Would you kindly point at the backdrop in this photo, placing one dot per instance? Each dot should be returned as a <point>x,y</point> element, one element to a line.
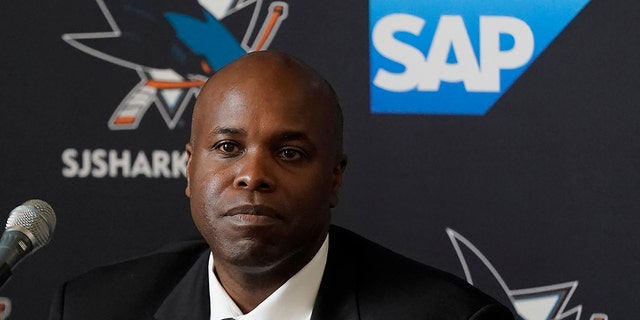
<point>497,141</point>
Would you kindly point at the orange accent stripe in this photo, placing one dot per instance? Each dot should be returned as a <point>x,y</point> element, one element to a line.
<point>206,67</point>
<point>174,85</point>
<point>275,15</point>
<point>124,120</point>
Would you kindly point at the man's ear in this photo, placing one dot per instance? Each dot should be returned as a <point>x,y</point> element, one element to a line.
<point>189,150</point>
<point>338,172</point>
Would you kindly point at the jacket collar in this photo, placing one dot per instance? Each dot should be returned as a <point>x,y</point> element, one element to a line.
<point>337,298</point>
<point>189,300</point>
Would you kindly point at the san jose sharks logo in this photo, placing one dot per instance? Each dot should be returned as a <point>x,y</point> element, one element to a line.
<point>537,303</point>
<point>174,46</point>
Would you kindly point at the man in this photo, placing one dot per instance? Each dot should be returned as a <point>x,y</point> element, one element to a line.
<point>265,166</point>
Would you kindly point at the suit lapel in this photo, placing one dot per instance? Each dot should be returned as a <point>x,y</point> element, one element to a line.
<point>336,298</point>
<point>189,300</point>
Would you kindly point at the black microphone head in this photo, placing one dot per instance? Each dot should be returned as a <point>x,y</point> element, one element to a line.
<point>36,219</point>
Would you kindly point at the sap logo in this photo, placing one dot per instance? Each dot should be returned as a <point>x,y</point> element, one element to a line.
<point>479,74</point>
<point>456,57</point>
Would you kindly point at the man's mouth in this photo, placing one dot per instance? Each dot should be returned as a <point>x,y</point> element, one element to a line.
<point>251,215</point>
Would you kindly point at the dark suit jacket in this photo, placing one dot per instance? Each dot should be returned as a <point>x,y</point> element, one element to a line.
<point>361,281</point>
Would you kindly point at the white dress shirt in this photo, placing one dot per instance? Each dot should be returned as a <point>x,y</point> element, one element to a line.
<point>292,301</point>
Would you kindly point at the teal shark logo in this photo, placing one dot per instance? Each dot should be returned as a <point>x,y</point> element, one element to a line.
<point>548,302</point>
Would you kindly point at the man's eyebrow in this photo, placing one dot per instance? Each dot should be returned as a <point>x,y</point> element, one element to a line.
<point>289,135</point>
<point>228,130</point>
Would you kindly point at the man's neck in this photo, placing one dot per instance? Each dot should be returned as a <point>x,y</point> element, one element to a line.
<point>249,287</point>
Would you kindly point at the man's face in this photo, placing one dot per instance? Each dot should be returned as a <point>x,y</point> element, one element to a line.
<point>263,169</point>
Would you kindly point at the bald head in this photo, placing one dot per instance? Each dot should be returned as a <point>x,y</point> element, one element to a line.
<point>264,74</point>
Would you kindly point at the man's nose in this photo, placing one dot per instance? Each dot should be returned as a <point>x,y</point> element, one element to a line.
<point>255,172</point>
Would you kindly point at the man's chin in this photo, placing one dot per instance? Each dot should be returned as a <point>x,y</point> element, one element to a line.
<point>252,256</point>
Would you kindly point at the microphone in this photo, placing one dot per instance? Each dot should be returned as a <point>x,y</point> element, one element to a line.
<point>28,229</point>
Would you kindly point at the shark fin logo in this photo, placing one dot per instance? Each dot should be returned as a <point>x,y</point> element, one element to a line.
<point>174,46</point>
<point>536,303</point>
<point>456,57</point>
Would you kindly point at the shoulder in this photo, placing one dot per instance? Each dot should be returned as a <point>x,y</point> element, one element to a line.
<point>388,282</point>
<point>138,284</point>
<point>166,260</point>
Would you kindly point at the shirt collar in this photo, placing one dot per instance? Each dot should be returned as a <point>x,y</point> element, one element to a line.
<point>294,300</point>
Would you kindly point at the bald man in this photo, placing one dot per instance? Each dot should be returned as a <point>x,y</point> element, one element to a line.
<point>264,170</point>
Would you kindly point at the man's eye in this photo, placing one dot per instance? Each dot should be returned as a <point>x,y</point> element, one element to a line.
<point>227,147</point>
<point>291,154</point>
